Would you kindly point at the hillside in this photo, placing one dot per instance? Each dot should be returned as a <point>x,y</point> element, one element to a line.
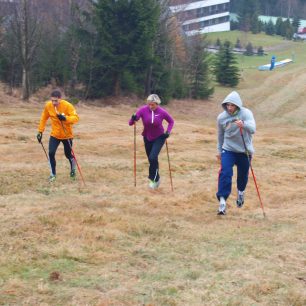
<point>109,243</point>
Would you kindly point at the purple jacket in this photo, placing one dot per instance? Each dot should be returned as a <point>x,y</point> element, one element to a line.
<point>153,121</point>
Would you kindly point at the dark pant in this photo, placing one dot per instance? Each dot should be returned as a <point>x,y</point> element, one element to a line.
<point>152,149</point>
<point>53,145</point>
<point>228,160</point>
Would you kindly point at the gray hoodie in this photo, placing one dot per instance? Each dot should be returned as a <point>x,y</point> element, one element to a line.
<point>229,137</point>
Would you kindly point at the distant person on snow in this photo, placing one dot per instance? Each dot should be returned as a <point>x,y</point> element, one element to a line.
<point>63,115</point>
<point>154,136</point>
<point>234,120</point>
<point>272,62</point>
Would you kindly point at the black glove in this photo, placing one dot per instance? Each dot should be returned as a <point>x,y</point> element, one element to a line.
<point>166,135</point>
<point>39,136</point>
<point>134,117</point>
<point>61,117</point>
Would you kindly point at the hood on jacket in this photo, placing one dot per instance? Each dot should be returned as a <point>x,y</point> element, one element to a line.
<point>233,98</point>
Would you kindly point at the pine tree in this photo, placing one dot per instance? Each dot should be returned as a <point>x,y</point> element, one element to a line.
<point>125,31</point>
<point>296,22</point>
<point>270,28</point>
<point>289,29</point>
<point>199,74</point>
<point>260,51</point>
<point>255,25</point>
<point>218,43</point>
<point>249,49</point>
<point>278,26</point>
<point>248,15</point>
<point>226,69</point>
<point>238,44</point>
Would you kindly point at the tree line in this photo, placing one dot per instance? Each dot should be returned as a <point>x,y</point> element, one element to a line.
<point>248,20</point>
<point>277,8</point>
<point>102,48</point>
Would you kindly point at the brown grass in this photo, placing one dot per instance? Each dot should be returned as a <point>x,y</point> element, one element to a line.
<point>110,243</point>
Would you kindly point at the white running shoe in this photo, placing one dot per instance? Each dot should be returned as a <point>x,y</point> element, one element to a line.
<point>52,178</point>
<point>222,207</point>
<point>154,185</point>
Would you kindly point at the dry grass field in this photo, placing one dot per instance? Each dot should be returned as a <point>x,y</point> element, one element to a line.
<point>109,243</point>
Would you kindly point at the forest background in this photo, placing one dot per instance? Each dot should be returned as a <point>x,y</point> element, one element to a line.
<point>94,49</point>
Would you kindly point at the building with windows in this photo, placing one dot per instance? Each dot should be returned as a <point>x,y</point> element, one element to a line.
<point>203,16</point>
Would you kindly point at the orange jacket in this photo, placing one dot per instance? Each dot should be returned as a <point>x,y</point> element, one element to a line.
<point>57,130</point>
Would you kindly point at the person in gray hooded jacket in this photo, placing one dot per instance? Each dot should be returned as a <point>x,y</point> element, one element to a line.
<point>233,123</point>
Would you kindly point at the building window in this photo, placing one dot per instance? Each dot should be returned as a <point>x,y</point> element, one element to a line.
<point>209,10</point>
<point>213,21</point>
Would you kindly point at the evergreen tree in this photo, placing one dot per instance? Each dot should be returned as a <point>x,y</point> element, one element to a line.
<point>226,69</point>
<point>249,49</point>
<point>296,22</point>
<point>260,51</point>
<point>283,28</point>
<point>261,26</point>
<point>289,29</point>
<point>199,74</point>
<point>248,15</point>
<point>238,44</point>
<point>178,84</point>
<point>125,31</point>
<point>255,26</point>
<point>270,28</point>
<point>53,59</point>
<point>278,26</point>
<point>218,43</point>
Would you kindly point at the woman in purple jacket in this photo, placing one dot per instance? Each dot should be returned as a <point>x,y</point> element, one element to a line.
<point>154,136</point>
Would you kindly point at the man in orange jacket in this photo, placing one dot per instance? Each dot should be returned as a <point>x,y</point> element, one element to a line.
<point>63,115</point>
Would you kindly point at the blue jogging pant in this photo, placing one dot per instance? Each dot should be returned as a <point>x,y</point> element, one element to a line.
<point>152,149</point>
<point>228,160</point>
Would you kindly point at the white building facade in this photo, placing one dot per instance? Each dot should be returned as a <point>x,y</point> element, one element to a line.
<point>204,16</point>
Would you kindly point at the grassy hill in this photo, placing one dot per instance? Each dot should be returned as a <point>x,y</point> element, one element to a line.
<point>109,243</point>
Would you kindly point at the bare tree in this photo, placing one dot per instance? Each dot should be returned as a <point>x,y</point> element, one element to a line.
<point>169,43</point>
<point>289,7</point>
<point>27,32</point>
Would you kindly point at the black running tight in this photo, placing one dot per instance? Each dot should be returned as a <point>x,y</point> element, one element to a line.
<point>53,145</point>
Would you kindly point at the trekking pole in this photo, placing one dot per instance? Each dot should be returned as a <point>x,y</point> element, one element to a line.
<point>72,152</point>
<point>253,174</point>
<point>170,174</point>
<point>45,151</point>
<point>135,154</point>
<point>46,156</point>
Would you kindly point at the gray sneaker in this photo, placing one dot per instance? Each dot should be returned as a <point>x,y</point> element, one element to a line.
<point>240,199</point>
<point>73,174</point>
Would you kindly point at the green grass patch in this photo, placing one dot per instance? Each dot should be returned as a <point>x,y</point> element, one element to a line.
<point>39,270</point>
<point>245,38</point>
